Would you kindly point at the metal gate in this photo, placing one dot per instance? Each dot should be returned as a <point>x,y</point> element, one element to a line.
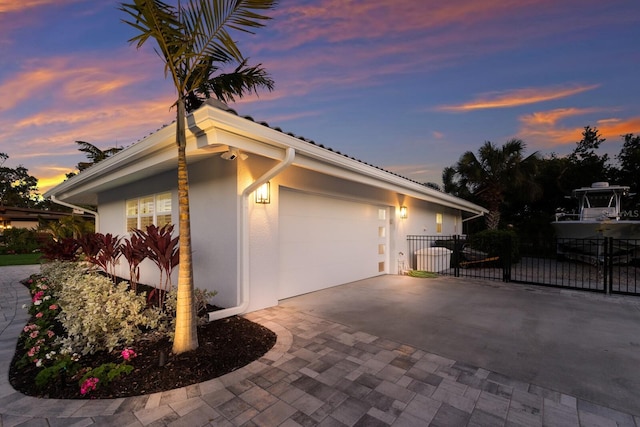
<point>603,265</point>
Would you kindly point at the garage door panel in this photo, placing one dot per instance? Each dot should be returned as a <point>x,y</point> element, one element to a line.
<point>325,242</point>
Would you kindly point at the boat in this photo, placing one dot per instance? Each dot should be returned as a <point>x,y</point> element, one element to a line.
<point>581,235</point>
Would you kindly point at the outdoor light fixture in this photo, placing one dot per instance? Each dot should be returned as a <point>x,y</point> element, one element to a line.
<point>403,212</point>
<point>263,193</point>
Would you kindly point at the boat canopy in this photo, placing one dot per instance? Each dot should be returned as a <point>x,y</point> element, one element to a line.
<point>600,201</point>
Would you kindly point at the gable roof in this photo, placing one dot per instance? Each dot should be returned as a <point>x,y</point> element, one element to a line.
<point>214,129</point>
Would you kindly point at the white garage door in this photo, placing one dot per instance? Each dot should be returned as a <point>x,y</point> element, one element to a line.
<point>326,241</point>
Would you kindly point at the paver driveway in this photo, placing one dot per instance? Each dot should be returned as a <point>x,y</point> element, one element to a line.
<point>582,344</point>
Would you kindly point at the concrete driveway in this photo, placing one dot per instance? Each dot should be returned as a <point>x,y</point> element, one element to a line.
<point>583,344</point>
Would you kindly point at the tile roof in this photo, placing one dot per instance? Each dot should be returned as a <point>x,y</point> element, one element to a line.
<point>223,106</point>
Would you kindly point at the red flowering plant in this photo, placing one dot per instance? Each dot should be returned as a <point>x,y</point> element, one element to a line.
<point>39,335</point>
<point>106,372</point>
<point>56,337</point>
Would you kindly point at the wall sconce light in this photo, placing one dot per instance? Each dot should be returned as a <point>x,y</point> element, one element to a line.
<point>263,193</point>
<point>403,212</point>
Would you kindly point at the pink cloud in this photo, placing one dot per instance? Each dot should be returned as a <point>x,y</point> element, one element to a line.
<point>72,79</point>
<point>426,23</point>
<point>545,130</point>
<point>517,97</point>
<point>7,6</point>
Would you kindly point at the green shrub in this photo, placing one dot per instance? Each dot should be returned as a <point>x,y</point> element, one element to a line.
<point>495,242</point>
<point>202,298</point>
<point>20,240</point>
<point>98,315</point>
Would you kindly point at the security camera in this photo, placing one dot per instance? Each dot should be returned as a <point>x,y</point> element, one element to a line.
<point>232,154</point>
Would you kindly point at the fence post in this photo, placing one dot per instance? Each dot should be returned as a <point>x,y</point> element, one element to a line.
<point>610,269</point>
<point>456,256</point>
<point>605,265</point>
<point>506,259</point>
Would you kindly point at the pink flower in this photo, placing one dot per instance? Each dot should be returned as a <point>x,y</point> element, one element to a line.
<point>38,296</point>
<point>39,314</point>
<point>128,353</point>
<point>50,334</point>
<point>33,350</point>
<point>53,307</point>
<point>88,385</point>
<point>33,334</point>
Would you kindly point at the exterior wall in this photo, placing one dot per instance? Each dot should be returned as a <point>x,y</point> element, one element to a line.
<point>264,221</point>
<point>214,228</point>
<point>213,224</point>
<point>111,208</point>
<point>263,236</point>
<point>421,219</point>
<point>216,186</point>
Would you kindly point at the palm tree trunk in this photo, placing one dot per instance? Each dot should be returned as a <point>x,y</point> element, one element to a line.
<point>492,219</point>
<point>186,337</point>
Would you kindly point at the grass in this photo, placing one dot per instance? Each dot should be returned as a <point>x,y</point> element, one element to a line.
<point>422,274</point>
<point>20,259</point>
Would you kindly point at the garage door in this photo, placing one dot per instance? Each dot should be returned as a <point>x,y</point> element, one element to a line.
<point>326,241</point>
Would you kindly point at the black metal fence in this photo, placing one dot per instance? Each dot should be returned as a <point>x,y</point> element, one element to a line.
<point>604,265</point>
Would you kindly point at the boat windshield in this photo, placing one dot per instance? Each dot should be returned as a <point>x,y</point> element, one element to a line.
<point>599,200</point>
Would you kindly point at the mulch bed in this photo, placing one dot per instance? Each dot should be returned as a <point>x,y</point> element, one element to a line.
<point>224,346</point>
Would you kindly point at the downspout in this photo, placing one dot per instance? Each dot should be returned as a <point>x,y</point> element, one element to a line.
<point>243,253</point>
<point>90,212</point>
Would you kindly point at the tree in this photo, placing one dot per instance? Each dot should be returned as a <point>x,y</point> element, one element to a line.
<point>490,176</point>
<point>17,187</point>
<point>194,43</point>
<point>584,165</point>
<point>628,172</point>
<point>94,154</point>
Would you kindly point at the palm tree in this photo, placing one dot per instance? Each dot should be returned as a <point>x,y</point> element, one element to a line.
<point>492,174</point>
<point>94,154</point>
<point>193,42</point>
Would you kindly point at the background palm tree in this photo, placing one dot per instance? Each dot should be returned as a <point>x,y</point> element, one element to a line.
<point>94,154</point>
<point>491,175</point>
<point>194,42</point>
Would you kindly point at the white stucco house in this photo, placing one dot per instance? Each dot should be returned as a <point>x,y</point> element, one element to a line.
<point>327,219</point>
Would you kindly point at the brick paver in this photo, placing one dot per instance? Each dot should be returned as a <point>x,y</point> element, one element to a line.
<point>318,374</point>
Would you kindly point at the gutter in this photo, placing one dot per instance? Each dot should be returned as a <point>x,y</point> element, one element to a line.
<point>243,251</point>
<point>78,208</point>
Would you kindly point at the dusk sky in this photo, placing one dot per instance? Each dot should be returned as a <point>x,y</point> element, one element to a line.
<point>407,85</point>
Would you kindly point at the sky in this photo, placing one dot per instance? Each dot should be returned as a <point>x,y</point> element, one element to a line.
<point>406,85</point>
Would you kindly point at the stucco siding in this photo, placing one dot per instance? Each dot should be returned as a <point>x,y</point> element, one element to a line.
<point>214,228</point>
<point>112,212</point>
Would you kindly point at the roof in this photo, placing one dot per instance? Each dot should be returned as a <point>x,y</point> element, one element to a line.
<point>9,213</point>
<point>215,128</point>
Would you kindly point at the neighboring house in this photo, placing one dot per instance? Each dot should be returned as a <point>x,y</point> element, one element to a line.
<point>330,219</point>
<point>11,217</point>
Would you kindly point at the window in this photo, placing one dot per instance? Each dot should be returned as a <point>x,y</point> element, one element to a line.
<point>147,210</point>
<point>438,223</point>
